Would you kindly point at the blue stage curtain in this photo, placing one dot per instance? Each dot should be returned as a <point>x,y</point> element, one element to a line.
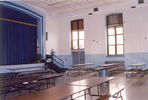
<point>18,42</point>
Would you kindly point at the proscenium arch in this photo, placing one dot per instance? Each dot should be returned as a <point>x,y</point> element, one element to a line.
<point>41,28</point>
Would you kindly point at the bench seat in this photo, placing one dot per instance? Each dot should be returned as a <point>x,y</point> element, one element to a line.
<point>26,73</point>
<point>144,69</point>
<point>10,89</point>
<point>112,93</point>
<point>97,70</point>
<point>120,68</point>
<point>32,85</point>
<point>129,69</point>
<point>111,70</point>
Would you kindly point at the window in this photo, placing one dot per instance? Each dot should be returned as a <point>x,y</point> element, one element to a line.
<point>115,35</point>
<point>140,1</point>
<point>77,35</point>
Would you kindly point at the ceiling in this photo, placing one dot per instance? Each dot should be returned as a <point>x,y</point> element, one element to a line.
<point>64,6</point>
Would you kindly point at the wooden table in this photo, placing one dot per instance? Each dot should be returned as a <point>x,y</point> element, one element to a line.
<point>79,67</point>
<point>104,67</point>
<point>8,75</point>
<point>22,80</point>
<point>22,68</point>
<point>64,91</point>
<point>27,70</point>
<point>56,93</point>
<point>93,81</point>
<point>135,67</point>
<point>108,65</point>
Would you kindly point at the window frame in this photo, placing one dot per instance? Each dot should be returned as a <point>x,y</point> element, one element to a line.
<point>115,26</point>
<point>77,30</point>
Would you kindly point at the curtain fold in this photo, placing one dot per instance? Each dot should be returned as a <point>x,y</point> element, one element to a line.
<point>18,37</point>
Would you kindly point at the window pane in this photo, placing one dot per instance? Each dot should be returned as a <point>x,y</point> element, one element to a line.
<point>119,30</point>
<point>119,39</point>
<point>111,40</point>
<point>81,34</point>
<point>111,31</point>
<point>75,35</point>
<point>75,44</point>
<point>74,25</point>
<point>119,49</point>
<point>81,26</point>
<point>111,50</point>
<point>81,44</point>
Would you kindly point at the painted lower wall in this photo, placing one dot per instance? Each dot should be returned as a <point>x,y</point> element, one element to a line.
<point>98,59</point>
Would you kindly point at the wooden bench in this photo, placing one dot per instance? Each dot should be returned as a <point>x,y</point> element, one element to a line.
<point>112,70</point>
<point>97,70</point>
<point>144,71</point>
<point>32,85</point>
<point>130,71</point>
<point>27,73</point>
<point>8,75</point>
<point>116,93</point>
<point>10,89</point>
<point>120,66</point>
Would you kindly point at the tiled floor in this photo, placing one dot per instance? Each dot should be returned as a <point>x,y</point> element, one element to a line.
<point>136,88</point>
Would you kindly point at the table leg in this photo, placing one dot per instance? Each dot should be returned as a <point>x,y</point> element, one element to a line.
<point>108,85</point>
<point>71,97</point>
<point>54,81</point>
<point>84,95</point>
<point>98,87</point>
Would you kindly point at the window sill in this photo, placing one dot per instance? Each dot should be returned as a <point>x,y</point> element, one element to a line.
<point>115,56</point>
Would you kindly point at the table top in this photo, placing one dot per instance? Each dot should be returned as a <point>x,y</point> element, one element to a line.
<point>26,68</point>
<point>76,65</point>
<point>90,82</point>
<point>9,73</point>
<point>54,93</point>
<point>27,79</point>
<point>106,65</point>
<point>138,64</point>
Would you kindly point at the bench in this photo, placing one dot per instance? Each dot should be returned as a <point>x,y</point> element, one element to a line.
<point>32,85</point>
<point>10,89</point>
<point>97,70</point>
<point>116,93</point>
<point>120,66</point>
<point>27,73</point>
<point>8,75</point>
<point>111,70</point>
<point>144,71</point>
<point>130,71</point>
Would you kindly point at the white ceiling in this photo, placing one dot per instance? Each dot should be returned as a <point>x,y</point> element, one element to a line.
<point>64,6</point>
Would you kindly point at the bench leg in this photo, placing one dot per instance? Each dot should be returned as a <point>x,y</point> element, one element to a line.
<point>118,95</point>
<point>10,92</point>
<point>84,95</point>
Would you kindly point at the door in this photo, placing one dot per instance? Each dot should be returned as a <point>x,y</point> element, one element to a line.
<point>78,57</point>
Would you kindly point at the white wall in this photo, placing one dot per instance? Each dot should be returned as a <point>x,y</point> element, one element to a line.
<point>135,32</point>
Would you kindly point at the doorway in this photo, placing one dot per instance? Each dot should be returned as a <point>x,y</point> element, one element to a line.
<point>78,57</point>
